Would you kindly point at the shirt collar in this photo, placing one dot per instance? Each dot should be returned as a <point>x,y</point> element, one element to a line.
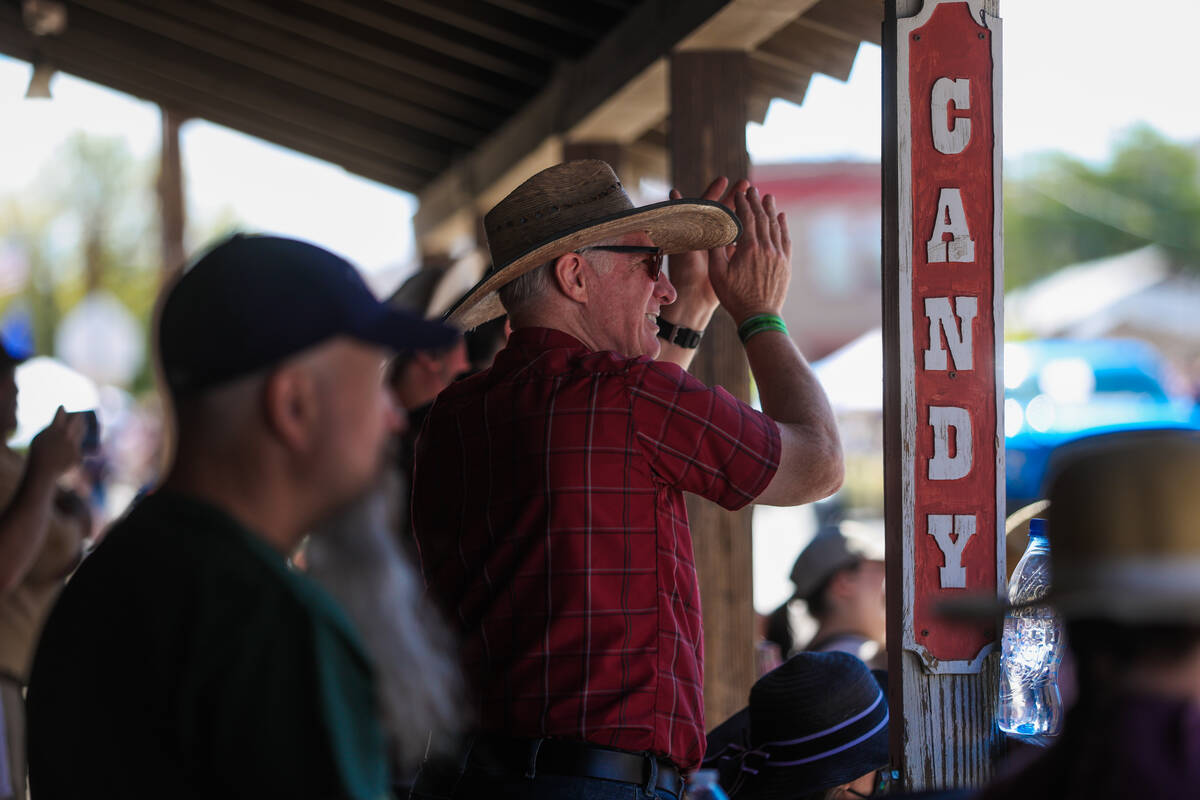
<point>527,344</point>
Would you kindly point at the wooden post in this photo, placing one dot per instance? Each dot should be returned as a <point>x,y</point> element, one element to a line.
<point>172,218</point>
<point>943,395</point>
<point>708,138</point>
<point>170,195</point>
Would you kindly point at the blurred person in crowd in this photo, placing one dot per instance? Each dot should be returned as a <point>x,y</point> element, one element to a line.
<point>1125,560</point>
<point>363,556</point>
<point>418,376</point>
<point>186,658</point>
<point>42,529</point>
<point>415,377</point>
<point>816,728</point>
<point>839,579</point>
<point>485,342</point>
<point>548,490</point>
<point>356,558</point>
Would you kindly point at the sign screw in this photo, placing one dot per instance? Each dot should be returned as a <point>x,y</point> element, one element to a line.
<point>924,633</point>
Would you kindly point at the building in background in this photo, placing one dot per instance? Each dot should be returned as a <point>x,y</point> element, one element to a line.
<point>834,218</point>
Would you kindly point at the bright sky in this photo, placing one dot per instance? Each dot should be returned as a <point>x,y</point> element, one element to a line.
<point>1076,73</point>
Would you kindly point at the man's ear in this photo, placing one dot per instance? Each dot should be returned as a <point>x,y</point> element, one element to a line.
<point>571,276</point>
<point>842,583</point>
<point>427,361</point>
<point>290,407</point>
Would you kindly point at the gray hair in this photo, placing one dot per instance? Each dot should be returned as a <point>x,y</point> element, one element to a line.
<point>516,294</point>
<point>355,557</point>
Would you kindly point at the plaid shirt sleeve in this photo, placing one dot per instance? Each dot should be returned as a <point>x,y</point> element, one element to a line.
<point>701,439</point>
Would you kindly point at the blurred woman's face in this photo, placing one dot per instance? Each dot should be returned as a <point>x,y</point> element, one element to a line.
<point>860,787</point>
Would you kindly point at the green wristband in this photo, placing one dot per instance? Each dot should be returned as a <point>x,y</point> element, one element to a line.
<point>759,323</point>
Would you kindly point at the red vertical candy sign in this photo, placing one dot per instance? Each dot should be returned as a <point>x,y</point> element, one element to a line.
<point>948,60</point>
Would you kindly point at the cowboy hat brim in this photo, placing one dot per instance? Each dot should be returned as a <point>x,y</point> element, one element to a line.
<point>1130,590</point>
<point>675,226</point>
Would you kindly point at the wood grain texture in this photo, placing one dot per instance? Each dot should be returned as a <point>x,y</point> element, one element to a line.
<point>943,732</point>
<point>948,725</point>
<point>708,138</point>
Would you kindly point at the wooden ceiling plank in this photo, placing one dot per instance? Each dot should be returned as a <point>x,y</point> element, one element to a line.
<point>397,60</point>
<point>413,34</point>
<point>497,25</point>
<point>779,78</point>
<point>237,22</point>
<point>118,76</point>
<point>217,77</point>
<point>90,46</point>
<point>550,13</point>
<point>860,20</point>
<point>642,102</point>
<point>814,49</point>
<point>635,46</point>
<point>314,80</point>
<point>745,24</point>
<point>757,105</point>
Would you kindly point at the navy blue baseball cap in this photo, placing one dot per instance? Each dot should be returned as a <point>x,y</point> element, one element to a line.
<point>16,337</point>
<point>252,301</point>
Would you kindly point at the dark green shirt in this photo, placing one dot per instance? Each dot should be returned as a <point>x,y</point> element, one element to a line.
<point>186,659</point>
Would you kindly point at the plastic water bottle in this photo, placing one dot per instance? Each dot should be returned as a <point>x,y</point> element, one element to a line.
<point>702,785</point>
<point>1031,648</point>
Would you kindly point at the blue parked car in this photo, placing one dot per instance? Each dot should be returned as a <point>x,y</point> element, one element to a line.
<point>1057,391</point>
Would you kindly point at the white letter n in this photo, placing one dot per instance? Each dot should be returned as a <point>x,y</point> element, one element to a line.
<point>937,309</point>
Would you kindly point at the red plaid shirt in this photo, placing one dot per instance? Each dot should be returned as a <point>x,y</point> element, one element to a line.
<point>548,509</point>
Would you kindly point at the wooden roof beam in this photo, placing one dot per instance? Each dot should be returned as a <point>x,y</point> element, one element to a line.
<point>366,165</point>
<point>222,46</point>
<point>417,68</point>
<point>856,20</point>
<point>499,25</point>
<point>812,49</point>
<point>92,57</point>
<point>771,77</point>
<point>291,37</point>
<point>500,64</point>
<point>548,12</point>
<point>616,93</point>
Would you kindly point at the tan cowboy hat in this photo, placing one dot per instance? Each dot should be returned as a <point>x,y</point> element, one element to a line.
<point>1124,528</point>
<point>430,291</point>
<point>572,205</point>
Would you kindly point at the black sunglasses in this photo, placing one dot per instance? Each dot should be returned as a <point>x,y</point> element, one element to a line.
<point>654,264</point>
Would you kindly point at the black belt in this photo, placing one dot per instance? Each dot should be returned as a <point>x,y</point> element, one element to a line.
<point>502,756</point>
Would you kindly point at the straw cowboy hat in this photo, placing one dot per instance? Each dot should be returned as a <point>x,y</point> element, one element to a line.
<point>816,721</point>
<point>572,205</point>
<point>1124,528</point>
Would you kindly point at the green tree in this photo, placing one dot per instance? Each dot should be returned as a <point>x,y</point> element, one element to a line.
<point>88,221</point>
<point>1065,210</point>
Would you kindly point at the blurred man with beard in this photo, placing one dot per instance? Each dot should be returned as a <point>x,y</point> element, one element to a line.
<point>186,658</point>
<point>356,557</point>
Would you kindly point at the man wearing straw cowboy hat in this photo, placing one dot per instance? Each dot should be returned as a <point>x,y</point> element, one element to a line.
<point>1124,526</point>
<point>548,496</point>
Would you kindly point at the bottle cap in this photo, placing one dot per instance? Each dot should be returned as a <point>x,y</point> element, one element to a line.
<point>1037,527</point>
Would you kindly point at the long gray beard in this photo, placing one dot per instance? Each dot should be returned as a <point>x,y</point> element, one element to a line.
<point>355,557</point>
